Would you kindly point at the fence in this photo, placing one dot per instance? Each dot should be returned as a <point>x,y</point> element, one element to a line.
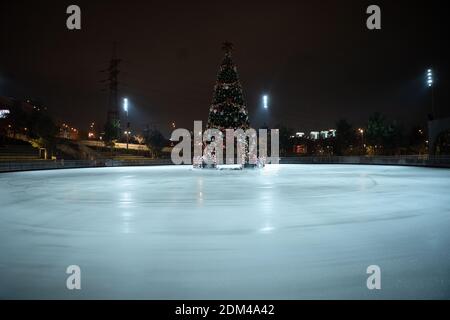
<point>420,160</point>
<point>413,160</point>
<point>69,164</point>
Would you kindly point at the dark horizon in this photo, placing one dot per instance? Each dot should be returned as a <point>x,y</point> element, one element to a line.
<point>317,61</point>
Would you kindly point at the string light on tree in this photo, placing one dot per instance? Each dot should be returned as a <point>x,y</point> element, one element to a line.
<point>228,109</point>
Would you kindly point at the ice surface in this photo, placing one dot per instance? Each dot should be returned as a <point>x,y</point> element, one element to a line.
<point>171,232</point>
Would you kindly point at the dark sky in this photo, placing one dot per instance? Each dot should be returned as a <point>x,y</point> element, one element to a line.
<point>316,59</point>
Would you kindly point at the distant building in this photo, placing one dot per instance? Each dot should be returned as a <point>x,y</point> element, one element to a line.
<point>4,113</point>
<point>7,105</point>
<point>314,135</point>
<point>300,149</point>
<point>331,133</point>
<point>324,134</point>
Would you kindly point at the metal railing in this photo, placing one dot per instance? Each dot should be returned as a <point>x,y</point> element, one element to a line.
<point>409,160</point>
<point>8,166</point>
<point>413,160</point>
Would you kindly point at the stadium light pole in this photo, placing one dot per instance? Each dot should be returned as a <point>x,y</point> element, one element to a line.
<point>265,106</point>
<point>430,85</point>
<point>125,105</point>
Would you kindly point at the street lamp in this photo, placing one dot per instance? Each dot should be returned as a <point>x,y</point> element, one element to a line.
<point>361,132</point>
<point>125,108</point>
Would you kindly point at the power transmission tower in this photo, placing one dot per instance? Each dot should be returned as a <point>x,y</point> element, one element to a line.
<point>113,118</point>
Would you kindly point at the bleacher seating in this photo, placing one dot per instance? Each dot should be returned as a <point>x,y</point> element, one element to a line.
<point>19,153</point>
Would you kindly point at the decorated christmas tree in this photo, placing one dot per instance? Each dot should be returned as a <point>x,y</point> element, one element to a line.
<point>228,109</point>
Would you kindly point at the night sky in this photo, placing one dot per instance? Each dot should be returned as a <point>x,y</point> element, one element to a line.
<point>316,59</point>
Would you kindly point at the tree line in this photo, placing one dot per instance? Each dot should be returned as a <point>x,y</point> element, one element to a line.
<point>380,136</point>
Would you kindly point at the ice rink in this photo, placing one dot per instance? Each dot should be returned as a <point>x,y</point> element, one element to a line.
<point>171,232</point>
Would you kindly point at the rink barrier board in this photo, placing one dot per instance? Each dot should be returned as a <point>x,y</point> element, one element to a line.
<point>419,160</point>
